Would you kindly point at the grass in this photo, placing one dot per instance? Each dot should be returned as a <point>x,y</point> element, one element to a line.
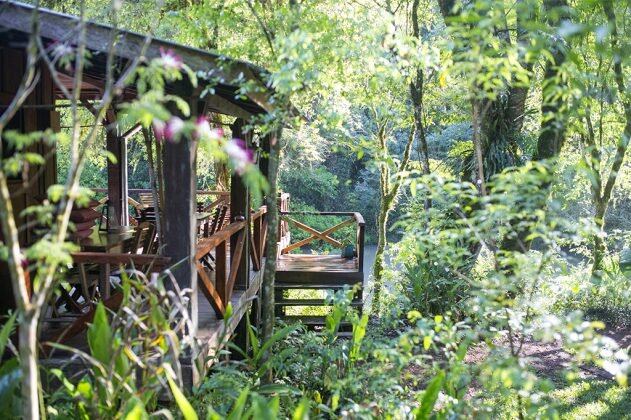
<point>593,399</point>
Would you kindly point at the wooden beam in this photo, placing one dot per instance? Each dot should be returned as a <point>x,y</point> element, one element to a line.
<point>264,156</point>
<point>216,103</point>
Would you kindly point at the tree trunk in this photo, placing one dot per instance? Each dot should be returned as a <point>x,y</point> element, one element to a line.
<point>30,367</point>
<point>597,240</point>
<point>269,273</point>
<point>382,241</point>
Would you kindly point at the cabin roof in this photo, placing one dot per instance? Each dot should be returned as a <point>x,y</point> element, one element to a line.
<point>227,73</point>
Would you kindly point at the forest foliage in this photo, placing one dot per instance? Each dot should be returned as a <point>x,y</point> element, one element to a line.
<point>486,144</point>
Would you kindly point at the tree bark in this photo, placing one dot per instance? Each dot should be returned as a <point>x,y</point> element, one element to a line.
<point>603,200</point>
<point>382,240</point>
<point>28,361</point>
<point>553,126</point>
<point>389,190</point>
<point>269,273</point>
<point>417,91</point>
<point>499,120</point>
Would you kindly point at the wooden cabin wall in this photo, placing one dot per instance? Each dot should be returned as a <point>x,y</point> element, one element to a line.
<point>36,115</point>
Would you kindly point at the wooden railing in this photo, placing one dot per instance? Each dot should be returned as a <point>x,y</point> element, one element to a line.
<point>148,190</point>
<point>258,237</point>
<point>325,235</point>
<point>284,236</point>
<point>213,255</point>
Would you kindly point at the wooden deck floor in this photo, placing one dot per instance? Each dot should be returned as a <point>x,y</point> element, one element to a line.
<point>316,263</point>
<point>311,269</point>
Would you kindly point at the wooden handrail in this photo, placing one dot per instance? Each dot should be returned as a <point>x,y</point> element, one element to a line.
<point>258,237</point>
<point>205,245</point>
<point>211,255</point>
<point>148,190</point>
<point>357,216</point>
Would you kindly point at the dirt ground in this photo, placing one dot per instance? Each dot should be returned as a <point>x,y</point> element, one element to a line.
<point>549,359</point>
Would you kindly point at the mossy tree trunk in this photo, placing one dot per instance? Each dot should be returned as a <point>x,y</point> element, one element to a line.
<point>389,189</point>
<point>602,191</point>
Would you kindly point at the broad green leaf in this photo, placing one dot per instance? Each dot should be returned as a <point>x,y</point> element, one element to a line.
<point>135,410</point>
<point>185,407</point>
<point>430,396</point>
<point>239,405</point>
<point>302,411</point>
<point>6,331</point>
<point>100,337</point>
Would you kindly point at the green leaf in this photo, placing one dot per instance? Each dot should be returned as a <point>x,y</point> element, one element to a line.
<point>239,405</point>
<point>6,331</point>
<point>302,411</point>
<point>185,407</point>
<point>253,338</point>
<point>100,336</point>
<point>430,396</point>
<point>359,331</point>
<point>10,375</point>
<point>135,410</point>
<point>279,335</point>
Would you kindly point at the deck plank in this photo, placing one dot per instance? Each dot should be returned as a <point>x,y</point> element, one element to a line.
<point>317,263</point>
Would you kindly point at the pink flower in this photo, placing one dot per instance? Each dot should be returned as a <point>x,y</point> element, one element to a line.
<point>170,60</point>
<point>240,156</point>
<point>159,128</point>
<point>203,131</point>
<point>60,50</point>
<point>173,129</point>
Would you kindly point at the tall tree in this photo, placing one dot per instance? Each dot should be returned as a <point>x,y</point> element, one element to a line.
<point>602,190</point>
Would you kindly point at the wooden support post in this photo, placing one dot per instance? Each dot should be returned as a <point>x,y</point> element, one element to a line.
<point>264,156</point>
<point>240,208</point>
<point>116,144</point>
<point>179,160</point>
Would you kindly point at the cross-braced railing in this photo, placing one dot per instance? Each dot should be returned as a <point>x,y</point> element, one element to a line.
<point>325,235</point>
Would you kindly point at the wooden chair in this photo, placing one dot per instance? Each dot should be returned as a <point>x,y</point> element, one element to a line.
<point>76,295</point>
<point>143,240</point>
<point>213,225</point>
<point>217,221</point>
<point>145,208</point>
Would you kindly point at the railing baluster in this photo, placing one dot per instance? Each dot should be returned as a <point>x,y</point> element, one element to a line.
<point>220,272</point>
<point>234,264</point>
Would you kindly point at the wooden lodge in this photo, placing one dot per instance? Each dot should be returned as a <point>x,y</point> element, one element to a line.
<point>216,249</point>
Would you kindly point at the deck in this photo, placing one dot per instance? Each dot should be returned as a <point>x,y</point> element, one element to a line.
<point>317,269</point>
<point>220,258</point>
<point>317,272</point>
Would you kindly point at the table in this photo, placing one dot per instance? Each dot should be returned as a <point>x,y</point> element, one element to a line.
<point>106,242</point>
<point>99,241</point>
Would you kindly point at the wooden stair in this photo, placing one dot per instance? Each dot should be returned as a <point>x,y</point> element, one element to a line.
<point>307,271</point>
<point>282,302</point>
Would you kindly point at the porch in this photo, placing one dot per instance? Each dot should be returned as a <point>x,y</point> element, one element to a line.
<point>213,248</point>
